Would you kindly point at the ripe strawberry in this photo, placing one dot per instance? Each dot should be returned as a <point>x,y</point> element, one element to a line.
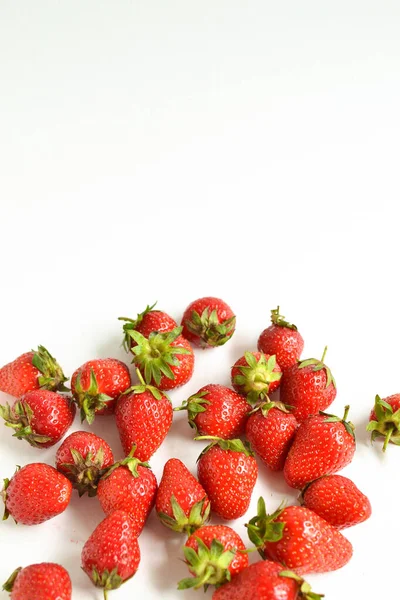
<point>217,410</point>
<point>208,322</point>
<point>384,420</point>
<point>323,445</point>
<point>227,470</point>
<point>31,371</point>
<point>131,486</point>
<point>300,539</point>
<point>43,581</point>
<point>255,375</point>
<point>83,458</point>
<point>111,555</point>
<point>97,384</point>
<point>182,503</point>
<point>308,387</point>
<point>41,417</point>
<point>337,500</point>
<point>270,431</point>
<point>36,493</point>
<point>145,323</point>
<point>282,339</point>
<point>213,554</point>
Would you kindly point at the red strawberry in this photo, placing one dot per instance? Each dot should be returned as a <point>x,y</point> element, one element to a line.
<point>255,375</point>
<point>323,445</point>
<point>83,458</point>
<point>111,555</point>
<point>217,410</point>
<point>182,503</point>
<point>213,554</point>
<point>308,387</point>
<point>300,539</point>
<point>227,470</point>
<point>337,500</point>
<point>145,323</point>
<point>270,431</point>
<point>282,339</point>
<point>208,322</point>
<point>97,384</point>
<point>31,371</point>
<point>41,417</point>
<point>384,420</point>
<point>36,493</point>
<point>131,486</point>
<point>44,581</point>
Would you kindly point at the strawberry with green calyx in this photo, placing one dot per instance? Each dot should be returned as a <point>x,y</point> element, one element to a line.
<point>208,322</point>
<point>145,323</point>
<point>43,581</point>
<point>282,339</point>
<point>384,420</point>
<point>255,375</point>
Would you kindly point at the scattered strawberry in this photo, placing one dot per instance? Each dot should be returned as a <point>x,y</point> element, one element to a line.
<point>255,375</point>
<point>146,323</point>
<point>35,493</point>
<point>384,420</point>
<point>83,458</point>
<point>208,322</point>
<point>282,339</point>
<point>44,581</point>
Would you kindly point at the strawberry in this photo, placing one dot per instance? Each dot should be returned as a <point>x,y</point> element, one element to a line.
<point>208,322</point>
<point>213,554</point>
<point>35,493</point>
<point>182,503</point>
<point>308,387</point>
<point>111,555</point>
<point>131,486</point>
<point>40,417</point>
<point>217,410</point>
<point>323,445</point>
<point>282,339</point>
<point>145,323</point>
<point>227,470</point>
<point>31,371</point>
<point>298,538</point>
<point>83,458</point>
<point>97,384</point>
<point>43,581</point>
<point>255,375</point>
<point>337,500</point>
<point>270,431</point>
<point>384,420</point>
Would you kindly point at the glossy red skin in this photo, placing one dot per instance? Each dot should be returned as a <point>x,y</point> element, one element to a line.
<point>271,436</point>
<point>155,320</point>
<point>241,362</point>
<point>144,421</point>
<point>225,416</point>
<point>178,481</point>
<point>228,538</point>
<point>44,581</point>
<point>36,493</point>
<point>319,448</point>
<point>224,312</point>
<point>337,500</point>
<point>19,376</point>
<point>394,402</point>
<point>182,372</point>
<point>84,442</point>
<point>287,345</point>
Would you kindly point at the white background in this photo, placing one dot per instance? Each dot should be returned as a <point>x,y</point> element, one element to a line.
<point>154,150</point>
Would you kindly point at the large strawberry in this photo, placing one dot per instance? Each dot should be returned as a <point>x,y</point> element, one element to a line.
<point>323,445</point>
<point>111,555</point>
<point>384,420</point>
<point>208,322</point>
<point>31,371</point>
<point>36,493</point>
<point>227,470</point>
<point>145,323</point>
<point>300,539</point>
<point>182,503</point>
<point>97,384</point>
<point>43,581</point>
<point>83,458</point>
<point>282,339</point>
<point>213,553</point>
<point>255,375</point>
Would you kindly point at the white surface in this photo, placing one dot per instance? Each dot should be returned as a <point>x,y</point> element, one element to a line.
<point>170,150</point>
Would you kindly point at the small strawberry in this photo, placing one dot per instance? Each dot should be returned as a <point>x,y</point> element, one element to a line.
<point>182,503</point>
<point>227,470</point>
<point>384,420</point>
<point>35,493</point>
<point>145,323</point>
<point>208,322</point>
<point>213,554</point>
<point>111,555</point>
<point>40,417</point>
<point>43,581</point>
<point>282,339</point>
<point>97,384</point>
<point>270,431</point>
<point>83,458</point>
<point>308,387</point>
<point>255,375</point>
<point>31,371</point>
<point>323,445</point>
<point>337,500</point>
<point>300,539</point>
<point>217,410</point>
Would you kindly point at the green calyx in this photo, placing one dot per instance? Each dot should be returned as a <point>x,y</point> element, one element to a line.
<point>132,324</point>
<point>130,462</point>
<point>143,387</point>
<point>85,473</point>
<point>52,376</point>
<point>210,566</point>
<point>90,400</point>
<point>108,580</point>
<point>180,522</point>
<point>318,366</point>
<point>6,483</point>
<point>194,405</point>
<point>209,329</point>
<point>228,445</point>
<point>19,419</point>
<point>348,425</point>
<point>9,584</point>
<point>263,528</point>
<point>265,407</point>
<point>277,319</point>
<point>305,592</point>
<point>387,423</point>
<point>255,379</point>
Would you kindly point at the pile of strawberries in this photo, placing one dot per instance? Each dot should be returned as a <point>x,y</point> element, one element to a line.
<point>275,409</point>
